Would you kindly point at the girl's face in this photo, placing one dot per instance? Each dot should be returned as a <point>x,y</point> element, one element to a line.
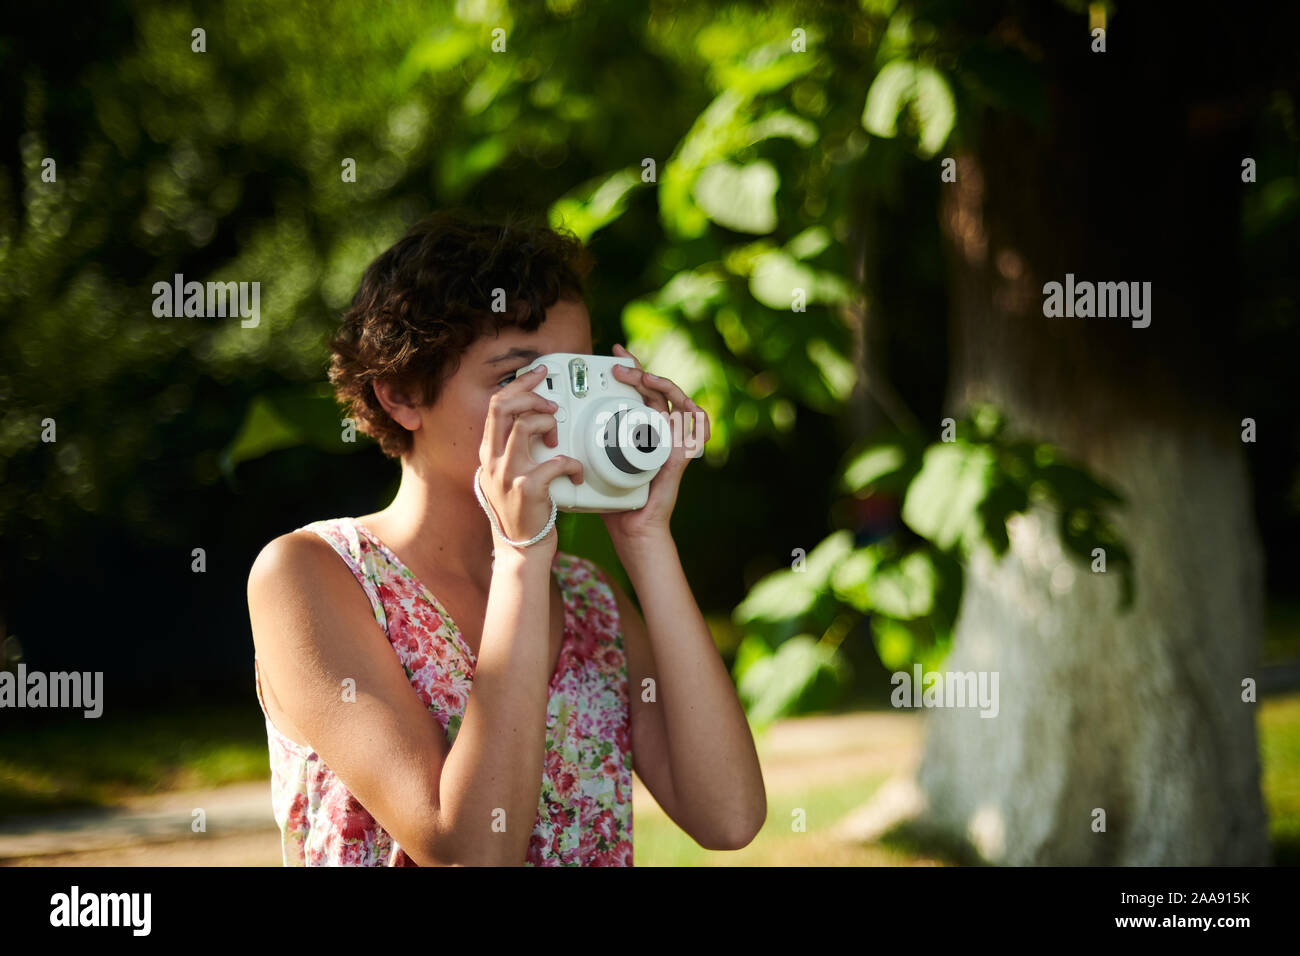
<point>450,430</point>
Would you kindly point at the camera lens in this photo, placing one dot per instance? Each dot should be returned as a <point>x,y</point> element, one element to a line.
<point>644,438</point>
<point>613,429</point>
<point>629,444</point>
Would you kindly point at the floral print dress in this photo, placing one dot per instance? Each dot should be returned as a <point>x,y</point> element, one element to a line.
<point>584,813</point>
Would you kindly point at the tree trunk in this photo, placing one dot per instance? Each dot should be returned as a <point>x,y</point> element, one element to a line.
<point>1139,714</point>
<point>1136,714</point>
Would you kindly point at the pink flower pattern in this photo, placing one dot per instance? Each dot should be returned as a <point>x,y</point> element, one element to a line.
<point>584,815</point>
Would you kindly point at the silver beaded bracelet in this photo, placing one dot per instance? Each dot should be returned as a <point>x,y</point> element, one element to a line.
<point>487,509</point>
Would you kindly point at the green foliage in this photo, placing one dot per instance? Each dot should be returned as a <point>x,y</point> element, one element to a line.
<point>957,496</point>
<point>741,198</point>
<point>872,579</point>
<point>594,205</point>
<point>283,418</point>
<point>874,466</point>
<point>733,271</point>
<point>797,593</point>
<point>720,325</point>
<point>904,86</point>
<point>803,674</point>
<point>943,500</point>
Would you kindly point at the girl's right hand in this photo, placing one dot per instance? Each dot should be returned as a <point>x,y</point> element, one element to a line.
<point>516,486</point>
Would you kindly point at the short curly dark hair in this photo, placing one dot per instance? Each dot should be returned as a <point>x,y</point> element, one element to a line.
<point>427,298</point>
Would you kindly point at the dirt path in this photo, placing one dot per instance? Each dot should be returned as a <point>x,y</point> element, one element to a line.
<point>157,830</point>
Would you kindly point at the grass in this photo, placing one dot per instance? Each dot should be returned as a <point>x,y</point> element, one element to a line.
<point>1281,633</point>
<point>660,842</point>
<point>1279,748</point>
<point>86,763</point>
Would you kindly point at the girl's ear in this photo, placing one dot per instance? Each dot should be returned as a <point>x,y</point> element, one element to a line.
<point>399,402</point>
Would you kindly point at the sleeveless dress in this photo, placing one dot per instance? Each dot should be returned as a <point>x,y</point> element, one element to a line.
<point>584,813</point>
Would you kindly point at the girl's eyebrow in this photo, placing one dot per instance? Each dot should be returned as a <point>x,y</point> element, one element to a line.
<point>515,352</point>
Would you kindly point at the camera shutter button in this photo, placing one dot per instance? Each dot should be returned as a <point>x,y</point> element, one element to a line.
<point>561,415</point>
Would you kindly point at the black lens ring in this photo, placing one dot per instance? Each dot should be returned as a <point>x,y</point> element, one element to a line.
<point>614,450</point>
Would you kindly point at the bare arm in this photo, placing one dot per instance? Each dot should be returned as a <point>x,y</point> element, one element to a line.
<point>692,748</point>
<point>313,628</point>
<point>493,775</point>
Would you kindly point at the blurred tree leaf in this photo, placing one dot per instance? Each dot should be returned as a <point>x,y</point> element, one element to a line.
<point>776,275</point>
<point>803,674</point>
<point>943,499</point>
<point>837,373</point>
<point>595,204</point>
<point>934,109</point>
<point>461,168</point>
<point>904,85</point>
<point>782,124</point>
<point>896,645</point>
<point>445,48</point>
<point>872,465</point>
<point>287,417</point>
<point>788,594</point>
<point>741,198</point>
<point>889,93</point>
<point>810,243</point>
<point>871,580</point>
<point>765,68</point>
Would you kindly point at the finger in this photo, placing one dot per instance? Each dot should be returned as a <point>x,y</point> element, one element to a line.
<point>525,382</point>
<point>517,452</point>
<point>667,388</point>
<point>699,431</point>
<point>677,428</point>
<point>700,425</point>
<point>553,468</point>
<point>519,401</point>
<point>503,409</point>
<point>533,423</point>
<point>636,378</point>
<point>629,355</point>
<point>682,405</point>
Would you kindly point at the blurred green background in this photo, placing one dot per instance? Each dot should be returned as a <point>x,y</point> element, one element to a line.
<point>763,187</point>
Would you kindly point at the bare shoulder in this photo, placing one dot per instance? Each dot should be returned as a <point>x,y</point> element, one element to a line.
<point>301,592</point>
<point>296,557</point>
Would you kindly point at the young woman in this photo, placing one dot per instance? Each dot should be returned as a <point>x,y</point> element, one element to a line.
<point>437,695</point>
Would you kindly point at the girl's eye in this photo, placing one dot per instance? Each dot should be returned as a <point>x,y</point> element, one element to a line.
<point>508,378</point>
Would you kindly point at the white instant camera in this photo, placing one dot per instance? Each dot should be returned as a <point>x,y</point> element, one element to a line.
<point>605,424</point>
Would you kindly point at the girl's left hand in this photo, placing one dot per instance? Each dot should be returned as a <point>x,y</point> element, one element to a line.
<point>688,422</point>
